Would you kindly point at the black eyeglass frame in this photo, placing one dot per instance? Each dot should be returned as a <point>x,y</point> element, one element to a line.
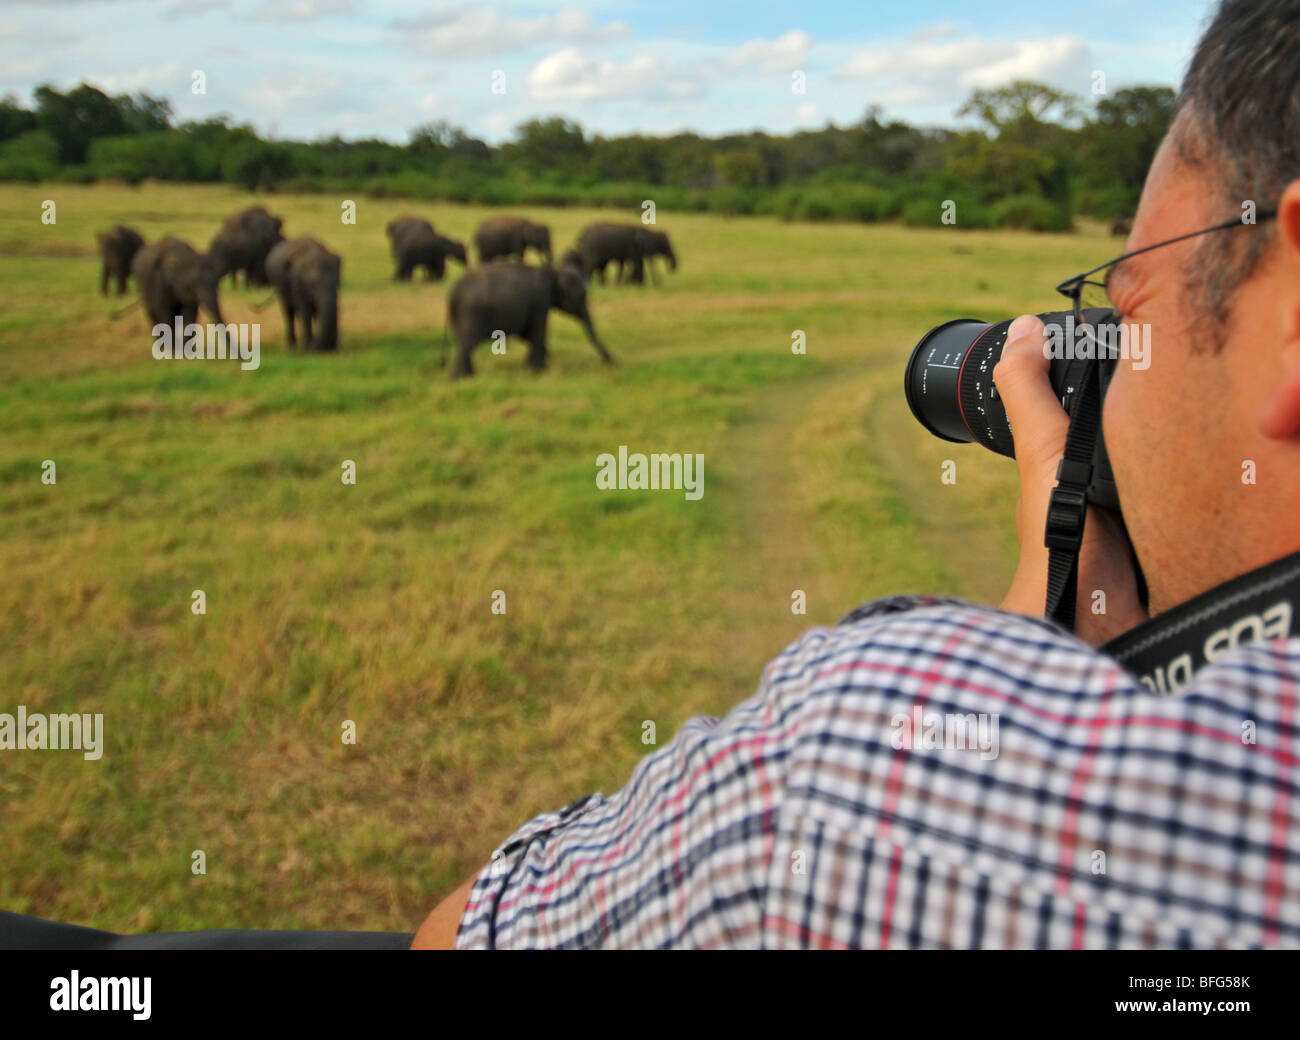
<point>1072,288</point>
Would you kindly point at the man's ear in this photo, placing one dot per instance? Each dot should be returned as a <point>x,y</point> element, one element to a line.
<point>1281,416</point>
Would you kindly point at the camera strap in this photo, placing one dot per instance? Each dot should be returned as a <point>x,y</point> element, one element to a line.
<point>1165,652</point>
<point>1068,507</point>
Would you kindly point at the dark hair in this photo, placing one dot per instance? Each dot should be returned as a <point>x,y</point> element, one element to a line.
<point>1239,112</point>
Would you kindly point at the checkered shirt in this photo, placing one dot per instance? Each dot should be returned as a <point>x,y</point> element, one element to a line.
<point>1108,816</point>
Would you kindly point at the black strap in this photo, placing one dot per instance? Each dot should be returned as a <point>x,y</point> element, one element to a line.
<point>1165,652</point>
<point>1068,507</point>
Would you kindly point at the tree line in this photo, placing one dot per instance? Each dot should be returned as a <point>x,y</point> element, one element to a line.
<point>1036,158</point>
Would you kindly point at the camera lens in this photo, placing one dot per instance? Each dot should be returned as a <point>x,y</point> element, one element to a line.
<point>949,382</point>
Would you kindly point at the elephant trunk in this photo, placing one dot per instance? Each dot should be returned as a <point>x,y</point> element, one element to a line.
<point>590,330</point>
<point>327,334</point>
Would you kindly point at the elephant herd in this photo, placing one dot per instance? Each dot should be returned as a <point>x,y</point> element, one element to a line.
<point>177,281</point>
<point>502,296</point>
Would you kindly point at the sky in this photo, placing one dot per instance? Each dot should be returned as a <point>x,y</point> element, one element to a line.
<point>305,69</point>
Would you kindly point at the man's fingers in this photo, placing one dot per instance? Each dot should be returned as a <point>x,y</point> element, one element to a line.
<point>1038,422</point>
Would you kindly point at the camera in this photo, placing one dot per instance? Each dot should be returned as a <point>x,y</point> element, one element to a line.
<point>949,382</point>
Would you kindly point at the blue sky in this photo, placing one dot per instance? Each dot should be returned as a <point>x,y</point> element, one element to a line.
<point>310,68</point>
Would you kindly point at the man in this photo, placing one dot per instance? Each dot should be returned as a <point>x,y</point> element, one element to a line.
<point>1103,814</point>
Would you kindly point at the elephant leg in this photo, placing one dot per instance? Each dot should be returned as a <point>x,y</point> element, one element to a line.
<point>290,335</point>
<point>536,337</point>
<point>464,345</point>
<point>161,306</point>
<point>122,275</point>
<point>103,280</point>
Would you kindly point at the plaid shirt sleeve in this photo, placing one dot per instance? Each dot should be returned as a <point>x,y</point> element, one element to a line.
<point>934,774</point>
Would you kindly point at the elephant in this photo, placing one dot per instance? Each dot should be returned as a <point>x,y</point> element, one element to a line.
<point>422,247</point>
<point>510,237</point>
<point>306,278</point>
<point>399,226</point>
<point>655,243</point>
<point>243,242</point>
<point>624,244</point>
<point>1121,226</point>
<point>117,248</point>
<point>572,258</point>
<point>176,281</point>
<point>516,299</point>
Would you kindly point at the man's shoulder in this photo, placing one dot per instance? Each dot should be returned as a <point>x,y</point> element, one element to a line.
<point>948,611</point>
<point>889,641</point>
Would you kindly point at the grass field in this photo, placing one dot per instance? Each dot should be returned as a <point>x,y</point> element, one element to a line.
<point>372,603</point>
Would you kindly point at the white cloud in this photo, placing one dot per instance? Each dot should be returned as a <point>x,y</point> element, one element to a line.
<point>934,68</point>
<point>185,8</point>
<point>168,80</point>
<point>1038,59</point>
<point>570,75</point>
<point>482,32</point>
<point>938,31</point>
<point>287,94</point>
<point>298,10</point>
<point>31,67</point>
<point>784,54</point>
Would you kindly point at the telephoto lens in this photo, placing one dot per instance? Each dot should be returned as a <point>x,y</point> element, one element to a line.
<point>949,383</point>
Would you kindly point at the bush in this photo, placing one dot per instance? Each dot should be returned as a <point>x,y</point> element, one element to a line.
<point>1108,202</point>
<point>31,156</point>
<point>733,202</point>
<point>1031,213</point>
<point>863,203</point>
<point>928,211</point>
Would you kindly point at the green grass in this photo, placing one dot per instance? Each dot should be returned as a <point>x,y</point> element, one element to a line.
<point>371,602</point>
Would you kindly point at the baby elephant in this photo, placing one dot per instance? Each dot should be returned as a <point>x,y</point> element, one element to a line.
<point>175,281</point>
<point>514,299</point>
<point>305,275</point>
<point>117,248</point>
<point>423,247</point>
<point>511,237</point>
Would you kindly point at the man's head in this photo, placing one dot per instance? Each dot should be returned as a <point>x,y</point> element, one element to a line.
<point>1219,406</point>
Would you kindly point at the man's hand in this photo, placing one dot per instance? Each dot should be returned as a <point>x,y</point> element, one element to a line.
<point>1039,424</point>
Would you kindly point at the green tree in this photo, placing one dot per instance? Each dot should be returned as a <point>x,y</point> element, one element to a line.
<point>77,118</point>
<point>14,119</point>
<point>1121,139</point>
<point>1024,112</point>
